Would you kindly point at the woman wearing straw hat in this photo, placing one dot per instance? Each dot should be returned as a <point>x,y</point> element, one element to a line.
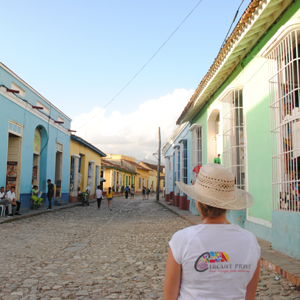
<point>216,259</point>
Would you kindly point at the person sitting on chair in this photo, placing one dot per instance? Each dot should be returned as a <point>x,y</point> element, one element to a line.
<point>12,198</point>
<point>35,195</point>
<point>5,201</point>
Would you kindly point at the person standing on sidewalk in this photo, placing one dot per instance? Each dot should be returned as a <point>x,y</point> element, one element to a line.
<point>147,193</point>
<point>109,196</point>
<point>216,259</point>
<point>99,196</point>
<point>50,193</point>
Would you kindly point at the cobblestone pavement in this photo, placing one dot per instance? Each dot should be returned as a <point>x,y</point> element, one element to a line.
<point>85,253</point>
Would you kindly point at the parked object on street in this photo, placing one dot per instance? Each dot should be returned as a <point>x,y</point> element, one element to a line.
<point>198,267</point>
<point>84,197</point>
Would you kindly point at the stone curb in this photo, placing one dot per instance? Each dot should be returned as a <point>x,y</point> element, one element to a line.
<point>290,275</point>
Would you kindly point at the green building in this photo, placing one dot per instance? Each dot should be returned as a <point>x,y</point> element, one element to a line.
<point>246,111</point>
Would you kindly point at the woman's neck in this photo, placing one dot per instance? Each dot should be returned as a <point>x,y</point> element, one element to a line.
<point>218,220</point>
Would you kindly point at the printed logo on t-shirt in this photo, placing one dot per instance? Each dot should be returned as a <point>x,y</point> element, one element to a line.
<point>217,261</point>
<point>204,259</point>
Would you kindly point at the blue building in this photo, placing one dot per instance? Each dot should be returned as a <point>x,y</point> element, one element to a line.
<point>176,152</point>
<point>35,140</point>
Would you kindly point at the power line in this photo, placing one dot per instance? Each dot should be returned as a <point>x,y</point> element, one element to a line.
<point>231,25</point>
<point>141,69</point>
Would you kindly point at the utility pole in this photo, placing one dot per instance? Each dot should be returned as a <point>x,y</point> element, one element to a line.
<point>158,168</point>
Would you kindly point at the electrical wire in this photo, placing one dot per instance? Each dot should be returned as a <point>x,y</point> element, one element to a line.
<point>141,69</point>
<point>231,26</point>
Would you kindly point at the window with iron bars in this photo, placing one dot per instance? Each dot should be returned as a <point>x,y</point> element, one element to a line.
<point>233,136</point>
<point>284,63</point>
<point>183,151</point>
<point>197,149</point>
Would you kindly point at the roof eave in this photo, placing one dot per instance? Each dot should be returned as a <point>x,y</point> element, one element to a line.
<point>261,19</point>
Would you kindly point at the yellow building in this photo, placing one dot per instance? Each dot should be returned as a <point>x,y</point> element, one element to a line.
<point>85,167</point>
<point>116,174</point>
<point>153,175</point>
<point>141,177</point>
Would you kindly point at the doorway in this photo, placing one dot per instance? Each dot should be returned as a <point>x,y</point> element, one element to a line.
<point>58,169</point>
<point>36,158</point>
<point>13,169</point>
<point>214,139</point>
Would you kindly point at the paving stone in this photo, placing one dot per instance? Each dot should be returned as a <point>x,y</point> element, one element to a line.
<point>85,253</point>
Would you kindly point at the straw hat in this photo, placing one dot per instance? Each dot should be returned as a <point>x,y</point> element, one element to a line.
<point>215,186</point>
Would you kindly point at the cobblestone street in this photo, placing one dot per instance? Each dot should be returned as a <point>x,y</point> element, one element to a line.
<point>85,253</point>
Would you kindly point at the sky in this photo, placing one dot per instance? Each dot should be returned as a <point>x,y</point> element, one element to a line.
<point>80,54</point>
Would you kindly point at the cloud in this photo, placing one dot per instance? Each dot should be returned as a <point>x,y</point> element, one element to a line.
<point>134,134</point>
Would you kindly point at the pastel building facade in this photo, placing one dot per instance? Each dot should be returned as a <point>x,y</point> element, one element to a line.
<point>177,160</point>
<point>85,167</point>
<point>246,111</point>
<point>35,140</point>
<point>153,175</point>
<point>115,172</point>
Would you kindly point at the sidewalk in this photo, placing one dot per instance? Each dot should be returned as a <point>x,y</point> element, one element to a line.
<point>286,266</point>
<point>42,210</point>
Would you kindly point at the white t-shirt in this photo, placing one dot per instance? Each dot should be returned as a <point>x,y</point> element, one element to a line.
<point>10,195</point>
<point>218,261</point>
<point>1,195</point>
<point>98,193</point>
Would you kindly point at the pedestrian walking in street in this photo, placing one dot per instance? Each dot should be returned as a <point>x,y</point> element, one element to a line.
<point>109,196</point>
<point>126,191</point>
<point>98,196</point>
<point>117,187</point>
<point>216,259</point>
<point>147,193</point>
<point>144,193</point>
<point>132,192</point>
<point>50,193</point>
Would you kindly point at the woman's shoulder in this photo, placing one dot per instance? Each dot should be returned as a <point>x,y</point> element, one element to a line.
<point>188,232</point>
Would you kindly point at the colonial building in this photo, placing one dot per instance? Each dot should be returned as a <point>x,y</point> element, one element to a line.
<point>35,140</point>
<point>85,167</point>
<point>153,175</point>
<point>245,114</point>
<point>117,173</point>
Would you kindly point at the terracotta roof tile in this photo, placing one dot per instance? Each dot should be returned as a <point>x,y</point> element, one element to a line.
<point>236,33</point>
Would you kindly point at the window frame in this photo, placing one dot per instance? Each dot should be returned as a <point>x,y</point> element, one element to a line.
<point>283,55</point>
<point>197,148</point>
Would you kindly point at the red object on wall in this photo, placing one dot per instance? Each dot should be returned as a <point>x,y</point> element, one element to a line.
<point>197,169</point>
<point>12,91</point>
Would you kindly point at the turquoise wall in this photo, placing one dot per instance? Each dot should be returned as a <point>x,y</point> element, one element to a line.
<point>286,233</point>
<point>31,97</point>
<point>49,134</point>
